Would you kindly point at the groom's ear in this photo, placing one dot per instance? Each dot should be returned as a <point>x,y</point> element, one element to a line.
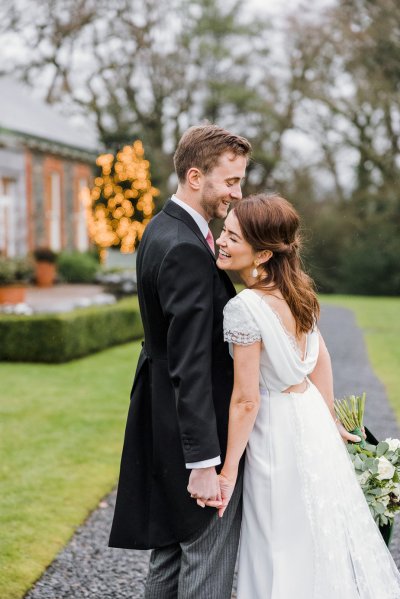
<point>193,178</point>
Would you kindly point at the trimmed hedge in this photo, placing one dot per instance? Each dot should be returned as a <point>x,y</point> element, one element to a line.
<point>77,267</point>
<point>62,337</point>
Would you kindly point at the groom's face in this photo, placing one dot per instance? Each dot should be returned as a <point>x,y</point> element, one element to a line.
<point>221,186</point>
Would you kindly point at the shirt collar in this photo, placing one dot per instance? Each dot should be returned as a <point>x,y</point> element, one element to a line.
<point>198,219</point>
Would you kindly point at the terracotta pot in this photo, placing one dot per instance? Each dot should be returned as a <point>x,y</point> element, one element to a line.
<point>45,274</point>
<point>10,294</point>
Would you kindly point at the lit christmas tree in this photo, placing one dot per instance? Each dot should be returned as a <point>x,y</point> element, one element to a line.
<point>120,204</point>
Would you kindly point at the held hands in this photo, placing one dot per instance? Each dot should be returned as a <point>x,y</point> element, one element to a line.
<point>204,486</point>
<point>211,490</point>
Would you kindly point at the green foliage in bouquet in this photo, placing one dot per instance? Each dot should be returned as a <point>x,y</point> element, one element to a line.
<point>377,468</point>
<point>350,412</point>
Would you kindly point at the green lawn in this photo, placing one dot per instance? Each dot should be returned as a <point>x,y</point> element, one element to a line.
<point>379,318</point>
<point>60,439</point>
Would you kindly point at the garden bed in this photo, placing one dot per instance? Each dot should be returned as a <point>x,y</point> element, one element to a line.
<point>56,338</point>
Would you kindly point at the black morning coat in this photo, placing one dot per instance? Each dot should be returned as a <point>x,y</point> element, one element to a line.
<point>182,387</point>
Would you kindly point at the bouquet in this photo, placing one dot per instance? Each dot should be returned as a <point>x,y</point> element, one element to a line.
<point>377,467</point>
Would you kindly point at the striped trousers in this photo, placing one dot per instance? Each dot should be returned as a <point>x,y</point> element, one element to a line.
<point>201,567</point>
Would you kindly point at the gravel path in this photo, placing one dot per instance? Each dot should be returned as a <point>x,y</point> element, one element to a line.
<point>87,568</point>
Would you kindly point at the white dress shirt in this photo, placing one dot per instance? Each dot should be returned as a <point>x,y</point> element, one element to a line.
<point>204,228</point>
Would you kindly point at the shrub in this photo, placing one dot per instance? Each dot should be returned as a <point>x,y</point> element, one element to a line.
<point>7,271</point>
<point>14,270</point>
<point>45,254</point>
<point>77,267</point>
<point>323,251</point>
<point>23,269</point>
<point>62,337</point>
<point>371,264</point>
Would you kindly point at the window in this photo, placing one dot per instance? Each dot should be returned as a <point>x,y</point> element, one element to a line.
<point>7,216</point>
<point>55,212</point>
<point>82,238</point>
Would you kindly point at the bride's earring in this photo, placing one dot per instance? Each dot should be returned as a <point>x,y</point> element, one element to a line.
<point>254,272</point>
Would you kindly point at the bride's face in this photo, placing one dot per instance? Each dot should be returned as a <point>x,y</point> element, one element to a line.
<point>234,252</point>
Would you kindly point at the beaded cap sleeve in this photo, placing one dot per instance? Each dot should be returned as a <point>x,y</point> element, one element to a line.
<point>239,325</point>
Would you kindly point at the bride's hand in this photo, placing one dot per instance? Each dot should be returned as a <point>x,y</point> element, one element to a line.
<point>227,485</point>
<point>346,436</point>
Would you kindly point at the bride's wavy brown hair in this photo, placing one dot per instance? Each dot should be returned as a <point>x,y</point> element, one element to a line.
<point>269,222</point>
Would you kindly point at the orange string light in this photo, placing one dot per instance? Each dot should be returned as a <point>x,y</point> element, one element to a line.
<point>121,202</point>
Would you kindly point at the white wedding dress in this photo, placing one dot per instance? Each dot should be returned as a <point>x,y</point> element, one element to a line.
<point>307,532</point>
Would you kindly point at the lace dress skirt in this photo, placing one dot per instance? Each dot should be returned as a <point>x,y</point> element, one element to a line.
<point>307,531</point>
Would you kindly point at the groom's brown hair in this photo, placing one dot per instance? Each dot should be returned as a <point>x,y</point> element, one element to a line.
<point>201,146</point>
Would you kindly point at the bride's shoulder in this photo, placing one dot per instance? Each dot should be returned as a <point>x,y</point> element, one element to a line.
<point>239,306</point>
<point>251,298</point>
<point>240,326</point>
<point>237,302</point>
<point>244,302</point>
<point>233,304</point>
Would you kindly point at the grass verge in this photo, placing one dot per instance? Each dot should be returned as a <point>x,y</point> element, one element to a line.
<point>379,319</point>
<point>60,439</point>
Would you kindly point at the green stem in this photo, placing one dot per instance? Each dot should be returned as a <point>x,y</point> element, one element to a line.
<point>357,431</point>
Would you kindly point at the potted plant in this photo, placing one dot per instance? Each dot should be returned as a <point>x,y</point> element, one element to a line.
<point>45,267</point>
<point>14,275</point>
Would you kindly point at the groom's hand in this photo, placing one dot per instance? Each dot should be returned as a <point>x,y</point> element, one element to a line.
<point>204,485</point>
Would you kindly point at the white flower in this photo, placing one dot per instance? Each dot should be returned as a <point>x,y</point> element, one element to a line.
<point>363,477</point>
<point>393,444</point>
<point>386,470</point>
<point>384,500</point>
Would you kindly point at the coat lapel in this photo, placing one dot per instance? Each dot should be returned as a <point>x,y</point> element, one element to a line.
<point>172,209</point>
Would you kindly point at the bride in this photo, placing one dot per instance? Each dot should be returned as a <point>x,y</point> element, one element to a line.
<point>307,531</point>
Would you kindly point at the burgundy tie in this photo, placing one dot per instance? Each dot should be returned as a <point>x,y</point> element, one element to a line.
<point>210,241</point>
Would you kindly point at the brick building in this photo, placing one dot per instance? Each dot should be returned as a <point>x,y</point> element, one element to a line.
<point>45,163</point>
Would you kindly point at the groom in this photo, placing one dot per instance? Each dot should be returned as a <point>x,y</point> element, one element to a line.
<point>176,432</point>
